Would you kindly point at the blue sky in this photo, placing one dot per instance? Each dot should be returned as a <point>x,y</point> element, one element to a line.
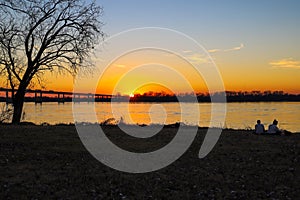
<point>208,21</point>
<point>267,32</point>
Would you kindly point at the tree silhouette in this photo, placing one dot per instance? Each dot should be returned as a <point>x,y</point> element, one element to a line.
<point>45,35</point>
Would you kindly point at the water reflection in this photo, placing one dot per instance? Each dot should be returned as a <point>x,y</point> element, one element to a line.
<point>239,115</point>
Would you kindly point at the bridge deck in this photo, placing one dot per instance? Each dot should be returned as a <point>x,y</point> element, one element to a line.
<point>57,96</point>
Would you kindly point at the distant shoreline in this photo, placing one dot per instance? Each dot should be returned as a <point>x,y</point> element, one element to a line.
<point>155,100</point>
<point>230,96</point>
<point>105,125</point>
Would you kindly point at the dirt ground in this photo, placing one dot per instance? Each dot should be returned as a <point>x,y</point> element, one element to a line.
<point>50,162</point>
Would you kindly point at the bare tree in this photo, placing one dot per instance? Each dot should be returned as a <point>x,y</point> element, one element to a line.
<point>45,35</point>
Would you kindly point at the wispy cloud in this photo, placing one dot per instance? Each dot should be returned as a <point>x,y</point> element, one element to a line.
<point>285,63</point>
<point>214,50</point>
<point>226,50</point>
<point>236,48</point>
<point>198,58</point>
<point>187,51</point>
<point>119,65</point>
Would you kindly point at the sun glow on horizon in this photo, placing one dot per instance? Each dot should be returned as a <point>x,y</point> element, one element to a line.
<point>257,51</point>
<point>150,70</point>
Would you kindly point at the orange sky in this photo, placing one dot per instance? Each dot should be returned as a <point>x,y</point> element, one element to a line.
<point>154,70</point>
<point>129,73</point>
<point>255,45</point>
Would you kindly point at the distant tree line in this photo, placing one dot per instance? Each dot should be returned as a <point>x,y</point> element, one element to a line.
<point>231,96</point>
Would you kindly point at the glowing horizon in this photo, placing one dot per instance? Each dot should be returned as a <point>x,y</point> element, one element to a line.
<point>254,45</point>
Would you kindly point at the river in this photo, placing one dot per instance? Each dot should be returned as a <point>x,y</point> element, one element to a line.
<point>238,115</point>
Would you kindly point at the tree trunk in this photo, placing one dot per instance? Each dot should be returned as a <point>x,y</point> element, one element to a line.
<point>18,102</point>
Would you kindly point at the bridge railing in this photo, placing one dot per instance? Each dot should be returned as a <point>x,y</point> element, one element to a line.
<point>38,96</point>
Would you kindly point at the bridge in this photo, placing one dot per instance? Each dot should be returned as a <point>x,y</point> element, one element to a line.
<point>40,96</point>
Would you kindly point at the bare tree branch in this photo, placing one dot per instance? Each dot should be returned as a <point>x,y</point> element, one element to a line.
<point>45,35</point>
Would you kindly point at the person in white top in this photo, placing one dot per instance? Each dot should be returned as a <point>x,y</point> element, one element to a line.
<point>273,129</point>
<point>259,128</point>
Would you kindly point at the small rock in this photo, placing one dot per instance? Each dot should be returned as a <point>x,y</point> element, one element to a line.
<point>291,169</point>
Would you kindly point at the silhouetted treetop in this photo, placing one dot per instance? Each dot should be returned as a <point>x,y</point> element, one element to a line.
<point>45,35</point>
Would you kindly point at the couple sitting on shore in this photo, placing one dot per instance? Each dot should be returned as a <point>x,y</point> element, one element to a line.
<point>272,129</point>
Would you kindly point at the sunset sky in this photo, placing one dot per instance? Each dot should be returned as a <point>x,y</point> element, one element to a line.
<point>255,44</point>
